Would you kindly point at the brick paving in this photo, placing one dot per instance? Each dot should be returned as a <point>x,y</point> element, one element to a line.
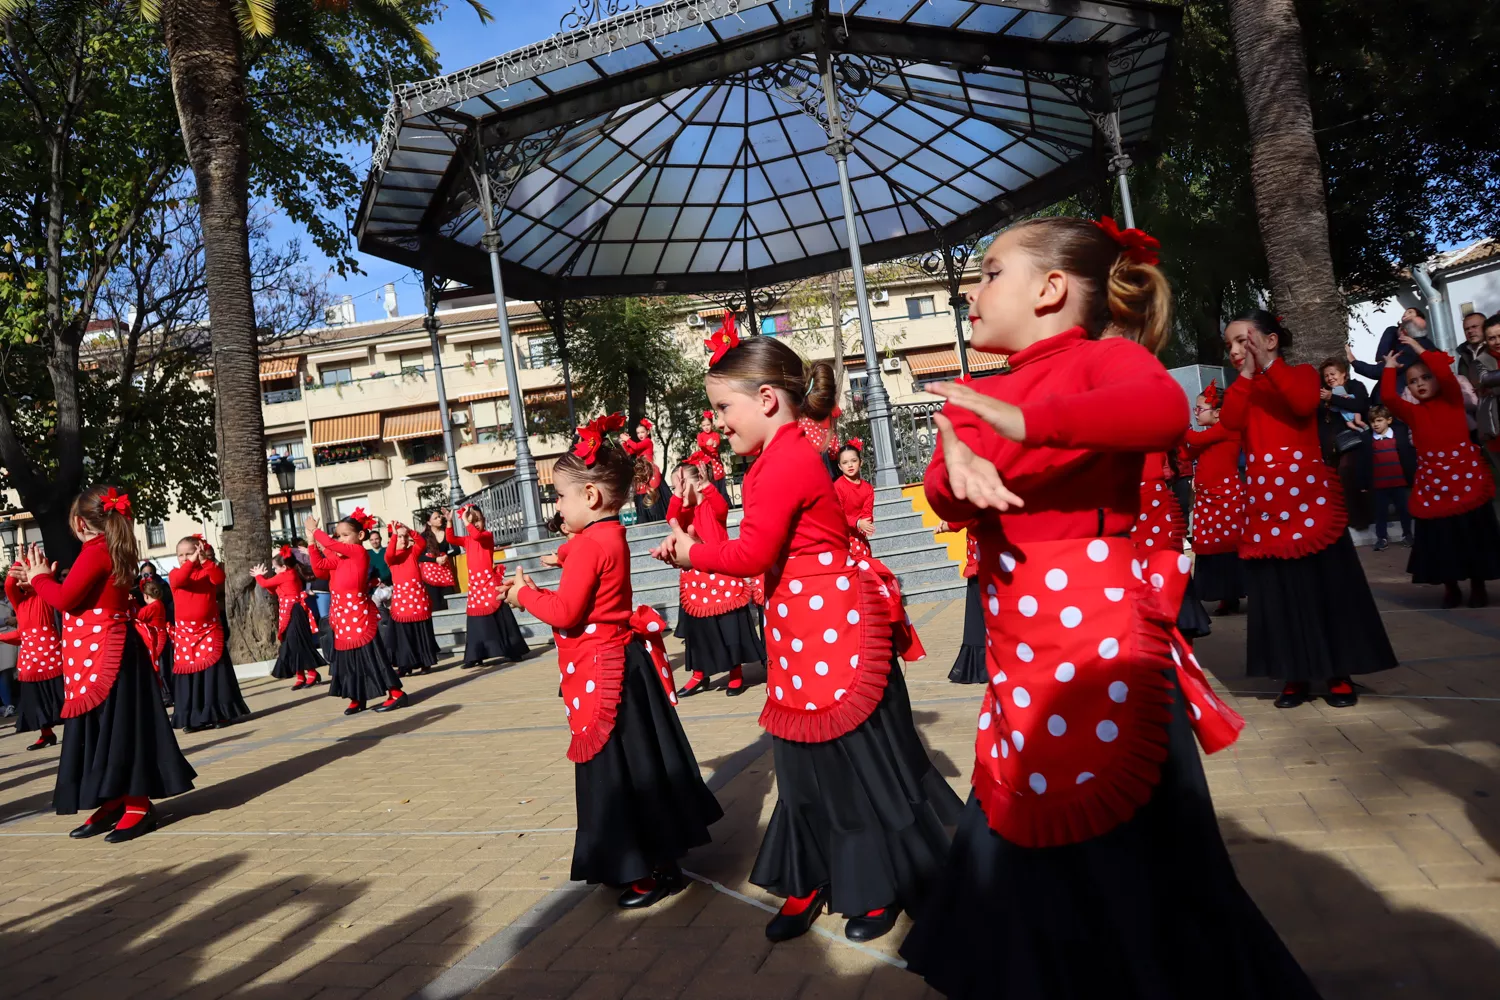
<point>425,853</point>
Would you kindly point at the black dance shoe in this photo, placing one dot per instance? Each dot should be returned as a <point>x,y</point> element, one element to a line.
<point>735,691</point>
<point>1292,695</point>
<point>785,926</point>
<point>868,928</point>
<point>400,701</point>
<point>106,822</point>
<point>145,825</point>
<point>470,664</point>
<point>692,687</point>
<point>669,884</point>
<point>1228,607</point>
<point>50,740</point>
<point>355,709</point>
<point>1341,693</point>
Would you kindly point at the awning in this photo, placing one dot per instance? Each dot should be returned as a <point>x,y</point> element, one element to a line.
<point>543,469</point>
<point>474,397</point>
<point>413,424</point>
<point>346,430</point>
<point>532,395</point>
<point>492,470</point>
<point>274,368</point>
<point>944,361</point>
<point>279,499</point>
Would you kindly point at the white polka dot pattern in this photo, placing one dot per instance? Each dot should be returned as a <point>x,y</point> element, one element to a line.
<point>1278,526</point>
<point>1451,480</point>
<point>85,691</point>
<point>196,646</point>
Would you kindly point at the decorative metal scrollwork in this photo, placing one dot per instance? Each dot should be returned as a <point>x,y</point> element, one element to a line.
<point>587,12</point>
<point>799,82</point>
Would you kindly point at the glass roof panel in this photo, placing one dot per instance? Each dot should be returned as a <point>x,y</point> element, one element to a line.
<point>989,19</point>
<point>889,10</point>
<point>628,58</point>
<point>568,76</point>
<point>1034,25</point>
<point>739,24</point>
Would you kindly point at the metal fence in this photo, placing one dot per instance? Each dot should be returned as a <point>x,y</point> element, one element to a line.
<point>916,438</point>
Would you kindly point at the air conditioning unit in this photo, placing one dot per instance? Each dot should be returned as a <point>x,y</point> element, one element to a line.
<point>458,417</point>
<point>694,320</point>
<point>880,297</point>
<point>892,365</point>
<point>221,512</point>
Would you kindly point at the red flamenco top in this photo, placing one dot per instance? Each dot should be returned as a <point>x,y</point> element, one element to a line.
<point>828,626</point>
<point>1160,523</point>
<point>151,621</point>
<point>409,601</point>
<point>1295,505</point>
<point>96,615</point>
<point>592,623</point>
<point>350,610</point>
<point>40,655</point>
<point>1452,477</point>
<point>1079,621</point>
<point>484,575</point>
<point>286,585</point>
<point>704,594</point>
<point>857,500</point>
<point>197,635</point>
<point>708,446</point>
<point>1218,493</point>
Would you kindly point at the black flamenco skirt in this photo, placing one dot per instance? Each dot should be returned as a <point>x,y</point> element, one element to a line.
<point>863,814</point>
<point>208,697</point>
<point>363,673</point>
<point>969,666</point>
<point>1192,621</point>
<point>39,705</point>
<point>325,640</point>
<point>299,649</point>
<point>124,746</point>
<point>641,802</point>
<point>1313,618</point>
<point>716,643</point>
<point>1151,910</point>
<point>1461,547</point>
<point>413,645</point>
<point>495,635</point>
<point>646,513</point>
<point>722,485</point>
<point>1219,577</point>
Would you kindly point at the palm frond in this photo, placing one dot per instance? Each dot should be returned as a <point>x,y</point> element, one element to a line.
<point>147,10</point>
<point>257,17</point>
<point>394,16</point>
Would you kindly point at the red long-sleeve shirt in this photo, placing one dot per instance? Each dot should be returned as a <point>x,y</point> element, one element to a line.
<point>282,583</point>
<point>195,591</point>
<point>1276,409</point>
<point>856,499</point>
<point>479,549</point>
<point>641,449</point>
<point>346,565</point>
<point>595,584</point>
<point>403,562</point>
<point>710,502</point>
<point>1216,452</point>
<point>31,610</point>
<point>89,585</point>
<point>1093,408</point>
<point>1437,424</point>
<point>790,509</point>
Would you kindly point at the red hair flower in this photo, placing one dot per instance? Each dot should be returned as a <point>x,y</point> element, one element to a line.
<point>359,517</point>
<point>609,422</point>
<point>1136,244</point>
<point>722,340</point>
<point>708,415</point>
<point>114,500</point>
<point>1211,394</point>
<point>286,552</point>
<point>855,443</point>
<point>646,423</point>
<point>592,435</point>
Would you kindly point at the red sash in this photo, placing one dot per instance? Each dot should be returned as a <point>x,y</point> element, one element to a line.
<point>484,589</point>
<point>1218,516</point>
<point>828,648</point>
<point>93,646</point>
<point>284,606</point>
<point>1296,506</point>
<point>1073,728</point>
<point>591,674</point>
<point>354,620</point>
<point>409,602</point>
<point>196,646</point>
<point>1161,523</point>
<point>435,575</point>
<point>704,595</point>
<point>1455,480</point>
<point>40,657</point>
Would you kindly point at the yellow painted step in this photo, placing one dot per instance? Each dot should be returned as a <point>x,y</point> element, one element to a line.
<point>956,541</point>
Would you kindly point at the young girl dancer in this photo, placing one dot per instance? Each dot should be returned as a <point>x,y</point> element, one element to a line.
<point>858,825</point>
<point>641,802</point>
<point>714,619</point>
<point>968,666</point>
<point>1161,527</point>
<point>360,668</point>
<point>39,664</point>
<point>119,751</point>
<point>298,655</point>
<point>1088,862</point>
<point>1457,537</point>
<point>707,455</point>
<point>1311,613</point>
<point>1218,506</point>
<point>205,690</point>
<point>152,617</point>
<point>414,646</point>
<point>491,629</point>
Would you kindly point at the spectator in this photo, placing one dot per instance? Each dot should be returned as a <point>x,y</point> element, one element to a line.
<point>1487,416</point>
<point>1392,480</point>
<point>1471,349</point>
<point>8,655</point>
<point>1414,324</point>
<point>1345,437</point>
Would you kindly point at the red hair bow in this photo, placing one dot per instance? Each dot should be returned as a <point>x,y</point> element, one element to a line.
<point>114,500</point>
<point>591,436</point>
<point>646,423</point>
<point>708,415</point>
<point>722,340</point>
<point>359,517</point>
<point>1211,394</point>
<point>1136,244</point>
<point>286,552</point>
<point>855,443</point>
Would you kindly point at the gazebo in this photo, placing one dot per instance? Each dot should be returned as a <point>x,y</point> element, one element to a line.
<point>712,146</point>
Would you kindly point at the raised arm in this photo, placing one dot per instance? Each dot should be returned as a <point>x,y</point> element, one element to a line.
<point>1390,396</point>
<point>769,515</point>
<point>330,544</point>
<point>1297,385</point>
<point>271,581</point>
<point>91,566</point>
<point>1441,365</point>
<point>940,492</point>
<point>211,573</point>
<point>13,593</point>
<point>1234,414</point>
<point>1135,383</point>
<point>567,606</point>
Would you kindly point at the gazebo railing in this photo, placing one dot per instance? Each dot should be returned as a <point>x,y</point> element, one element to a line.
<point>504,515</point>
<point>916,438</point>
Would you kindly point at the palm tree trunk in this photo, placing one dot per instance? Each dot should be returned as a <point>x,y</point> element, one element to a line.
<point>203,50</point>
<point>1286,175</point>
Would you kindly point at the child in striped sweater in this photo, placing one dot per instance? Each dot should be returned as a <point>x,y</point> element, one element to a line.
<point>1389,479</point>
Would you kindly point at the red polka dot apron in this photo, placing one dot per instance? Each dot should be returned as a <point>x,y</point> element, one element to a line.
<point>1296,507</point>
<point>435,575</point>
<point>1453,480</point>
<point>708,454</point>
<point>284,606</point>
<point>1218,516</point>
<point>484,590</point>
<point>409,602</point>
<point>40,657</point>
<point>196,646</point>
<point>704,595</point>
<point>591,675</point>
<point>1073,727</point>
<point>828,648</point>
<point>93,646</point>
<point>908,644</point>
<point>1160,524</point>
<point>971,555</point>
<point>354,620</point>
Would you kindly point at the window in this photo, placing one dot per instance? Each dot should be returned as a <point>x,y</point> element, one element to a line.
<point>541,352</point>
<point>414,363</point>
<point>337,454</point>
<point>858,383</point>
<point>491,351</point>
<point>487,434</point>
<point>417,451</point>
<point>156,534</point>
<point>918,306</point>
<point>772,326</point>
<point>293,449</point>
<point>336,376</point>
<point>346,505</point>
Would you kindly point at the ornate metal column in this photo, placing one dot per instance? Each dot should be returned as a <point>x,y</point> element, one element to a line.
<point>431,285</point>
<point>952,260</point>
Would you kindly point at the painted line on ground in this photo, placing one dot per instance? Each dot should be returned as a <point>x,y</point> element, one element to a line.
<point>345,833</point>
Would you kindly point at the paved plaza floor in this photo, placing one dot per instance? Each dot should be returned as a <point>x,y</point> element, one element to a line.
<point>425,852</point>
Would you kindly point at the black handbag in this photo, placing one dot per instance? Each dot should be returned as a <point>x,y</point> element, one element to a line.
<point>1347,440</point>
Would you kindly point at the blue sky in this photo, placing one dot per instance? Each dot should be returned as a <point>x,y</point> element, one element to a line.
<point>461,40</point>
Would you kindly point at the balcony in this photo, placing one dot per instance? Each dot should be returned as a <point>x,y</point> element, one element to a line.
<point>275,396</point>
<point>364,470</point>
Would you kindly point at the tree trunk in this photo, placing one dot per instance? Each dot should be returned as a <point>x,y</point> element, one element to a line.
<point>1286,175</point>
<point>636,383</point>
<point>203,50</point>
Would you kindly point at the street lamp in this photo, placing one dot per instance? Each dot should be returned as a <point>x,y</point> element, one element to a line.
<point>8,536</point>
<point>286,477</point>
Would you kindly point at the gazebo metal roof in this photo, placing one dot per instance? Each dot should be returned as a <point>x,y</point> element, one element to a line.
<point>680,147</point>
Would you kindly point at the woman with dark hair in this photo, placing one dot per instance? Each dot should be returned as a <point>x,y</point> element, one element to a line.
<point>435,563</point>
<point>1312,617</point>
<point>1344,432</point>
